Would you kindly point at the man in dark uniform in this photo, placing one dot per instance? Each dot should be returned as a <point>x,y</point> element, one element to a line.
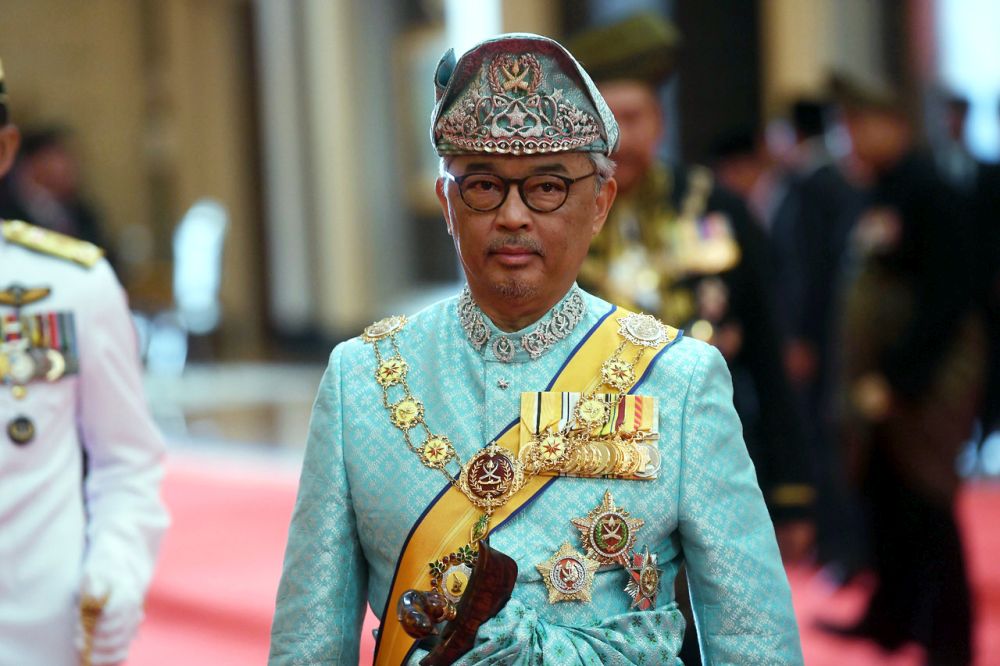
<point>808,233</point>
<point>979,184</point>
<point>677,245</point>
<point>913,361</point>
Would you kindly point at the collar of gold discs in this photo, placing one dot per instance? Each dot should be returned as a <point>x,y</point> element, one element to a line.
<point>491,477</point>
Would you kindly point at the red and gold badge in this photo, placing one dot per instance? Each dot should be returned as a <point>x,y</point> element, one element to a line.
<point>608,532</point>
<point>645,583</point>
<point>491,477</point>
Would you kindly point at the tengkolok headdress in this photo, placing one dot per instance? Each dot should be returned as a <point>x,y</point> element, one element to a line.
<point>518,94</point>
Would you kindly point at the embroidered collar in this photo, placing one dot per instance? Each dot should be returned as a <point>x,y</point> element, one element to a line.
<point>529,343</point>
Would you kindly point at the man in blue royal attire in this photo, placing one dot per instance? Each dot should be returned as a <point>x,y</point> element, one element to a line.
<point>595,448</point>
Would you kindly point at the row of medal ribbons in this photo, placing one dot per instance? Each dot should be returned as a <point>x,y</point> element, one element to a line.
<point>623,445</point>
<point>40,346</point>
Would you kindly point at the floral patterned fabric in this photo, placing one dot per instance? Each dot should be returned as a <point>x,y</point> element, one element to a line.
<point>362,490</point>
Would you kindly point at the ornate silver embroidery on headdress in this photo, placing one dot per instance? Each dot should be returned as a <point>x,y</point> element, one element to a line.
<point>509,111</point>
<point>537,341</point>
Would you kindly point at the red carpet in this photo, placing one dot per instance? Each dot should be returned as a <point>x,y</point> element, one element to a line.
<point>213,595</point>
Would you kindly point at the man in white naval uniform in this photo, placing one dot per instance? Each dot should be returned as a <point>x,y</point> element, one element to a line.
<point>80,459</point>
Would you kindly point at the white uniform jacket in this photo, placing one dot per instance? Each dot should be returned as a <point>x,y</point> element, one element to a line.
<point>84,493</point>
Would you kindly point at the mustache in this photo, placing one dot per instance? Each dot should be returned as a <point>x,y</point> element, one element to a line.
<point>523,243</point>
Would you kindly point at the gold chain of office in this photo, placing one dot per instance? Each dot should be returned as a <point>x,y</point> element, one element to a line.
<point>491,477</point>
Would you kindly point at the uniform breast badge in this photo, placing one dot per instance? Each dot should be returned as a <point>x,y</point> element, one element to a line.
<point>568,575</point>
<point>608,532</point>
<point>645,583</point>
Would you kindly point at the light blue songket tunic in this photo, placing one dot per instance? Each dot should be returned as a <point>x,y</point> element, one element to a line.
<point>362,490</point>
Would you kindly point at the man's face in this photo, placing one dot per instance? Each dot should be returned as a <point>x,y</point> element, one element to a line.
<point>513,255</point>
<point>640,123</point>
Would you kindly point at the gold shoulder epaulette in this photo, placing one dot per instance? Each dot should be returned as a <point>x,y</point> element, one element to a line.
<point>52,243</point>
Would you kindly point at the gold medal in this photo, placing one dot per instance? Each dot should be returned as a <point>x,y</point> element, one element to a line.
<point>600,458</point>
<point>630,458</point>
<point>645,583</point>
<point>614,458</point>
<point>568,575</point>
<point>608,532</point>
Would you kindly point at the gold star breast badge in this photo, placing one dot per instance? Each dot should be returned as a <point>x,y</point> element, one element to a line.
<point>568,575</point>
<point>608,532</point>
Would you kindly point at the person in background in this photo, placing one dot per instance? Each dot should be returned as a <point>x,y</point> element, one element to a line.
<point>913,349</point>
<point>809,229</point>
<point>43,188</point>
<point>677,245</point>
<point>743,165</point>
<point>978,183</point>
<point>80,460</point>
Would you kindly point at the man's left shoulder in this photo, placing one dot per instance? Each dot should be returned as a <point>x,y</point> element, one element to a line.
<point>676,364</point>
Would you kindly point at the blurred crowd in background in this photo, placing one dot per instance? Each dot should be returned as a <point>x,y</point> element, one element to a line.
<point>260,175</point>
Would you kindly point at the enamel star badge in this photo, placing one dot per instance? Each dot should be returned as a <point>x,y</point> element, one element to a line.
<point>568,575</point>
<point>608,532</point>
<point>645,581</point>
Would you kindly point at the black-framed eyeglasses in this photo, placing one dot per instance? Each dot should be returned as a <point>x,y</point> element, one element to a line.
<point>542,193</point>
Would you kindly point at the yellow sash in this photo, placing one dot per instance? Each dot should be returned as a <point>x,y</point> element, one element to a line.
<point>445,525</point>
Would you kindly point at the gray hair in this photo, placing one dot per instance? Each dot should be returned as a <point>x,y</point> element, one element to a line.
<point>604,166</point>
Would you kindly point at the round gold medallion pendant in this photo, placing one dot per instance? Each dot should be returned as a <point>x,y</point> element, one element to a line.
<point>593,411</point>
<point>618,374</point>
<point>436,451</point>
<point>406,413</point>
<point>391,371</point>
<point>491,477</point>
